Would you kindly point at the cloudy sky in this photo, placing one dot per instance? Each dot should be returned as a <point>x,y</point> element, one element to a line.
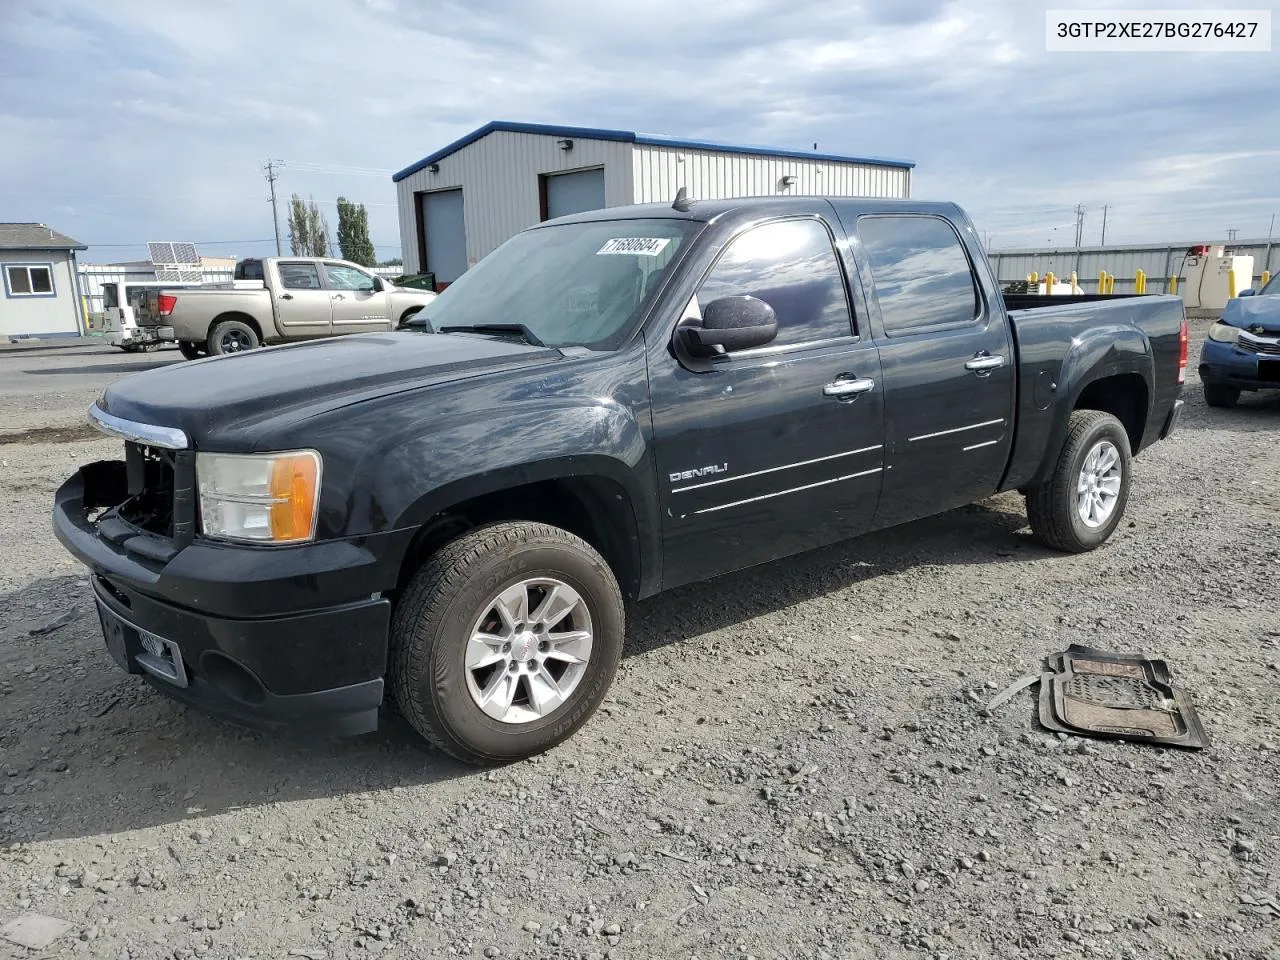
<point>123,121</point>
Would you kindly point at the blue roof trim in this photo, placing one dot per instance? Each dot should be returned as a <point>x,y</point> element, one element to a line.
<point>644,139</point>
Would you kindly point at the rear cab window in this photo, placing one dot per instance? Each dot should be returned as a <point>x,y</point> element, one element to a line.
<point>922,277</point>
<point>299,276</point>
<point>792,266</point>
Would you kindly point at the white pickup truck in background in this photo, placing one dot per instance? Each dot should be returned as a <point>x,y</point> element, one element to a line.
<point>276,300</point>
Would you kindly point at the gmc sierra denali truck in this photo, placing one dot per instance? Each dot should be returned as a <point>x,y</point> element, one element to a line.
<point>278,300</point>
<point>609,405</point>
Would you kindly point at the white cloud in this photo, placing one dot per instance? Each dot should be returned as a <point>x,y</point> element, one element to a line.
<point>139,119</point>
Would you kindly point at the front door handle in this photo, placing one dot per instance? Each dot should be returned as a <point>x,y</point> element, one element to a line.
<point>286,296</point>
<point>985,364</point>
<point>848,388</point>
<point>337,296</point>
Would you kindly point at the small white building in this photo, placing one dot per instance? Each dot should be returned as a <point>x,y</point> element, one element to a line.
<point>459,203</point>
<point>38,273</point>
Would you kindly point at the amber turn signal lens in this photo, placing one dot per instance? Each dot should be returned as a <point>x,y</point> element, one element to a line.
<point>295,484</point>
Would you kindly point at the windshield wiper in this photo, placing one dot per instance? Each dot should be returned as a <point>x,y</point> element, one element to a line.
<point>528,335</point>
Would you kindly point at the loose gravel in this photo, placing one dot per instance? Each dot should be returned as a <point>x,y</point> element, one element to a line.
<point>794,761</point>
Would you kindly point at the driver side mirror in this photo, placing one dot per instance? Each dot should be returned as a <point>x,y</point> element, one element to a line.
<point>1246,293</point>
<point>378,286</point>
<point>730,324</point>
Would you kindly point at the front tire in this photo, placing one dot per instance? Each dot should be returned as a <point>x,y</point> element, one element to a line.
<point>232,336</point>
<point>505,641</point>
<point>1218,395</point>
<point>1082,503</point>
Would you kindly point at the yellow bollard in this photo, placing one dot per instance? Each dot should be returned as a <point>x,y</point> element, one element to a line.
<point>1102,281</point>
<point>1173,284</point>
<point>1075,281</point>
<point>1231,284</point>
<point>1266,278</point>
<point>1111,283</point>
<point>1140,283</point>
<point>1029,280</point>
<point>1049,278</point>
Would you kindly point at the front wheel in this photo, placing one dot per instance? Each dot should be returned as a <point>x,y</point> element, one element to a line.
<point>505,641</point>
<point>1218,395</point>
<point>1081,504</point>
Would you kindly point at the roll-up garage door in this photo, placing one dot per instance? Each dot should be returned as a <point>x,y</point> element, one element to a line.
<point>574,192</point>
<point>445,234</point>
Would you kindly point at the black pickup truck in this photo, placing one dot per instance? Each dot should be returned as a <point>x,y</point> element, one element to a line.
<point>609,405</point>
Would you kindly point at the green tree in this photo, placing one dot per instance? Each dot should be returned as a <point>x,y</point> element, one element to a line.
<point>308,228</point>
<point>299,227</point>
<point>353,233</point>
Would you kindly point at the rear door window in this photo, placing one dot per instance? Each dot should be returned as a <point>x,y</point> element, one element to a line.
<point>790,265</point>
<point>299,276</point>
<point>920,271</point>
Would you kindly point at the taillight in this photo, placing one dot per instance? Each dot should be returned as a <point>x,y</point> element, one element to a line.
<point>167,301</point>
<point>1182,352</point>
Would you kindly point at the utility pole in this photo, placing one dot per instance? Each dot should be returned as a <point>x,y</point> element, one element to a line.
<point>1231,235</point>
<point>272,176</point>
<point>1079,224</point>
<point>1104,224</point>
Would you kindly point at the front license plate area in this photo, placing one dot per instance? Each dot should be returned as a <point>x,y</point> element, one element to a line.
<point>138,651</point>
<point>1269,371</point>
<point>116,633</point>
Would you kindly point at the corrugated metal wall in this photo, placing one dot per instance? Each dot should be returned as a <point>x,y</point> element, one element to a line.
<point>711,175</point>
<point>499,179</point>
<point>1157,261</point>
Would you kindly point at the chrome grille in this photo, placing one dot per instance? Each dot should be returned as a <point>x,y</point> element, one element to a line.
<point>1250,343</point>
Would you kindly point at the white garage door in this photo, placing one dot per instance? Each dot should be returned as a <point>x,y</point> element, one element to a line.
<point>445,234</point>
<point>574,192</point>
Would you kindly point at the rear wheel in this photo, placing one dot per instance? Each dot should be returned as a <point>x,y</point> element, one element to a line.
<point>505,641</point>
<point>1218,395</point>
<point>190,350</point>
<point>232,336</point>
<point>1082,503</point>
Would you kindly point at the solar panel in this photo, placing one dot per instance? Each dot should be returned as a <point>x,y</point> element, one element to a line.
<point>175,262</point>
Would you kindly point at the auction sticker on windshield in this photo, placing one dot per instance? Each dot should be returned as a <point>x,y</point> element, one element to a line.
<point>638,246</point>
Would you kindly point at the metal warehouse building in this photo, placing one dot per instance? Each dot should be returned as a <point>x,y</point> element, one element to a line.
<point>465,199</point>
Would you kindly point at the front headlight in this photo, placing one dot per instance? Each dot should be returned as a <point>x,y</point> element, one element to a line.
<point>260,497</point>
<point>1224,333</point>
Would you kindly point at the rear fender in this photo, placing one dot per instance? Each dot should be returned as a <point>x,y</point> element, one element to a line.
<point>1101,352</point>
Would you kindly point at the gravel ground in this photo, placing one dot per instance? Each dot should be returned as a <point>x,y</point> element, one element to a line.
<point>793,762</point>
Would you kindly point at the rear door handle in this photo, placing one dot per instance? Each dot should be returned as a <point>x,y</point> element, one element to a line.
<point>286,296</point>
<point>337,296</point>
<point>848,388</point>
<point>985,364</point>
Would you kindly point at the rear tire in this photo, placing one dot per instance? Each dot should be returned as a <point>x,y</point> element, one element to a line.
<point>232,336</point>
<point>1082,503</point>
<point>189,350</point>
<point>1218,395</point>
<point>480,708</point>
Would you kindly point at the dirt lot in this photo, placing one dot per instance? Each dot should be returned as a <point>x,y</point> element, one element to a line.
<point>793,762</point>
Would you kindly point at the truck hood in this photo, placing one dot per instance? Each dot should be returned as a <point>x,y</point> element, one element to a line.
<point>231,401</point>
<point>1259,314</point>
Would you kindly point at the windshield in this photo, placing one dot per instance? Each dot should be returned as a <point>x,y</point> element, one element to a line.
<point>1272,288</point>
<point>575,284</point>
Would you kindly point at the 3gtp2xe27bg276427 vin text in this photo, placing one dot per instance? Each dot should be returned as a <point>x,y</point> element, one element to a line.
<point>609,405</point>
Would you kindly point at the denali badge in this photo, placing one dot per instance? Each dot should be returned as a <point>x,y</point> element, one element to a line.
<point>706,471</point>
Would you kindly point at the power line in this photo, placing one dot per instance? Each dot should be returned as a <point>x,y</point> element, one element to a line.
<point>198,243</point>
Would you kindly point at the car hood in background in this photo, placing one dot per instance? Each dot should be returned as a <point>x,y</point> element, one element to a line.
<point>1256,314</point>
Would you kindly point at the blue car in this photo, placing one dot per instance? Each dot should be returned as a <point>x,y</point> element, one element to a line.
<point>1243,349</point>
